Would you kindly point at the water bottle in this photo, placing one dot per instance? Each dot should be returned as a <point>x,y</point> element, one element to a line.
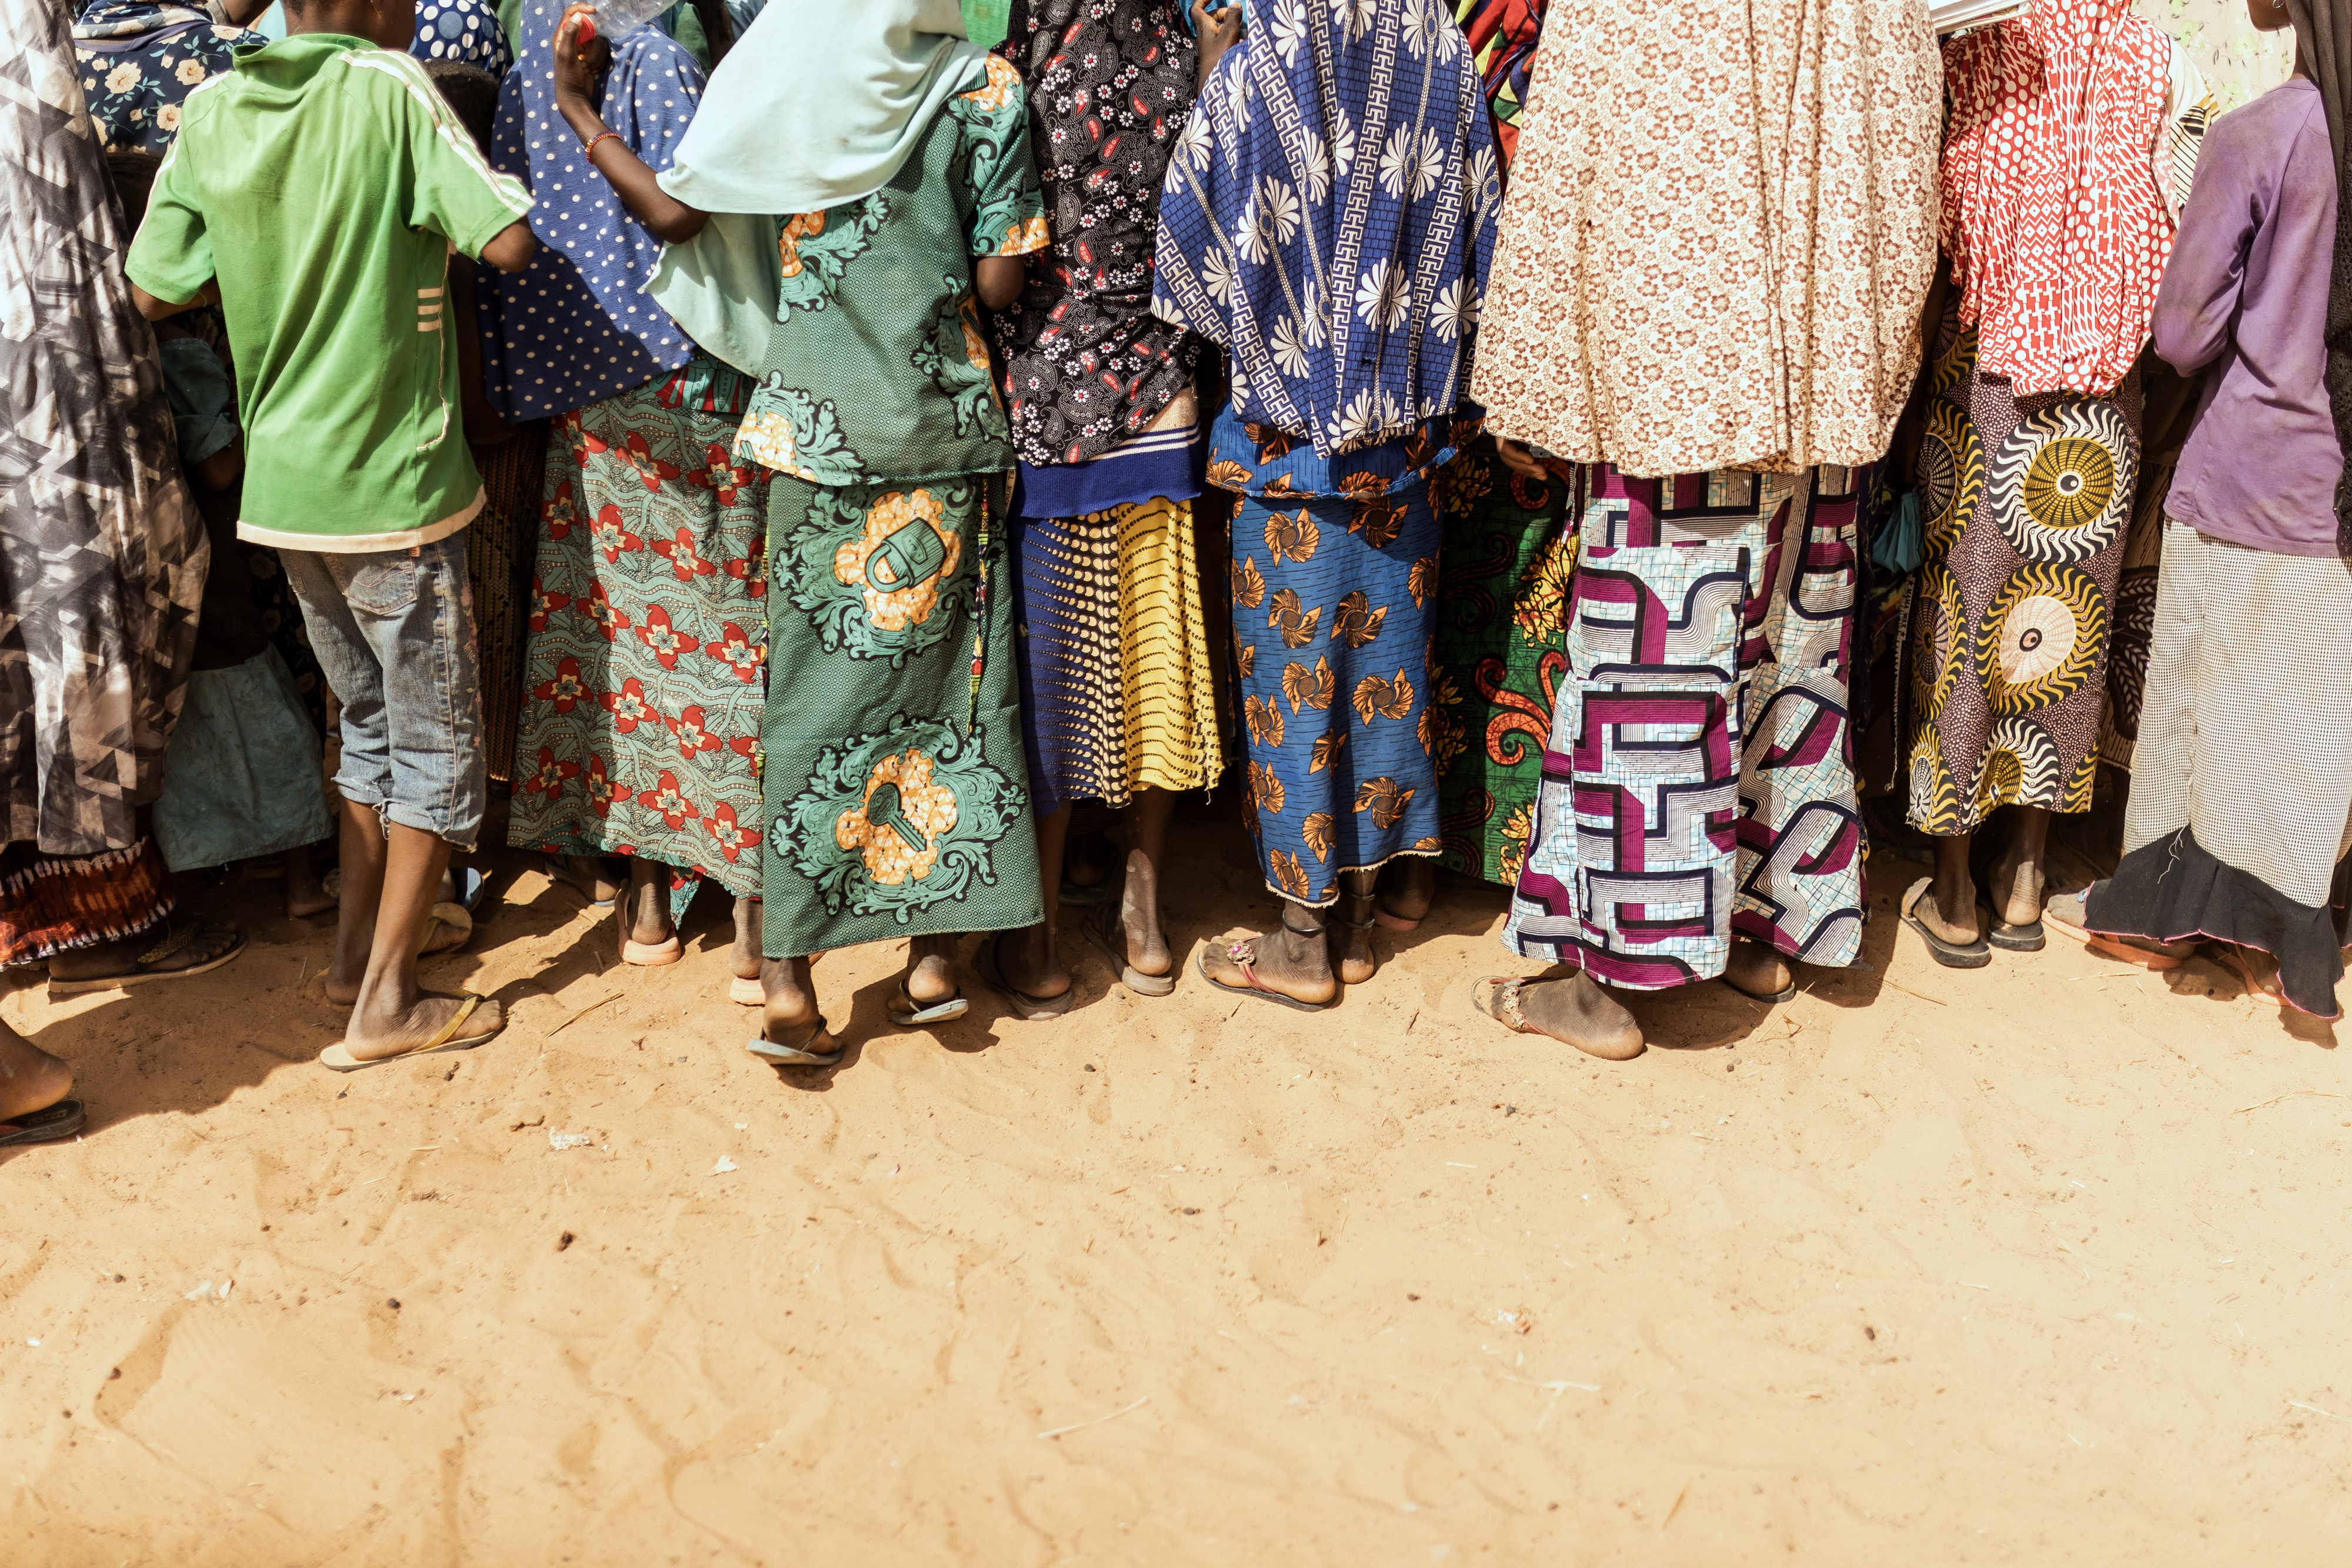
<point>616,19</point>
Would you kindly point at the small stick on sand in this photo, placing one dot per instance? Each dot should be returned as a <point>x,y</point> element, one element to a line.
<point>1921,995</point>
<point>1676,1509</point>
<point>2322,1093</point>
<point>1081,1425</point>
<point>583,1012</point>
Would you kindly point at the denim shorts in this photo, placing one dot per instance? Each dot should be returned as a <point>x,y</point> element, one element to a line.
<point>394,632</point>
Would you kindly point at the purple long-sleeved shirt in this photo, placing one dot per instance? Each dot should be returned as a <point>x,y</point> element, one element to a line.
<point>2247,286</point>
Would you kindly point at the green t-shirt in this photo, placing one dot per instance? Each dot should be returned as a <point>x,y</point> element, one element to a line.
<point>877,368</point>
<point>323,182</point>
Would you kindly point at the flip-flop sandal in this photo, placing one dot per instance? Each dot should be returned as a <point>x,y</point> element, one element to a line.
<point>1098,931</point>
<point>2013,938</point>
<point>1241,955</point>
<point>1502,1003</point>
<point>910,1015</point>
<point>2109,945</point>
<point>767,1050</point>
<point>1951,955</point>
<point>654,954</point>
<point>169,944</point>
<point>49,1125</point>
<point>1786,993</point>
<point>746,993</point>
<point>1024,1004</point>
<point>339,1055</point>
<point>560,874</point>
<point>446,929</point>
<point>2235,958</point>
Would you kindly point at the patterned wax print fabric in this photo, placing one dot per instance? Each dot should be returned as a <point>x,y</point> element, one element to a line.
<point>2025,502</point>
<point>2051,211</point>
<point>1118,684</point>
<point>898,801</point>
<point>1261,460</point>
<point>576,325</point>
<point>1329,217</point>
<point>1500,646</point>
<point>1698,780</point>
<point>140,60</point>
<point>466,31</point>
<point>103,552</point>
<point>876,368</point>
<point>1086,363</point>
<point>2241,809</point>
<point>1721,229</point>
<point>50,905</point>
<point>1503,36</point>
<point>641,728</point>
<point>1331,605</point>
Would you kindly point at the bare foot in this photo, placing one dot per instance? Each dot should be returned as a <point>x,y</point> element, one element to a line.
<point>306,891</point>
<point>1138,917</point>
<point>30,1077</point>
<point>1963,929</point>
<point>1577,1012</point>
<point>1408,886</point>
<point>120,960</point>
<point>1756,970</point>
<point>745,958</point>
<point>2015,888</point>
<point>1357,962</point>
<point>590,877</point>
<point>382,1026</point>
<point>642,913</point>
<point>791,1019</point>
<point>930,976</point>
<point>1030,959</point>
<point>1296,963</point>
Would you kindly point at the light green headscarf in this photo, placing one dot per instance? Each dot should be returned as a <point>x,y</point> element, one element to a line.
<point>819,103</point>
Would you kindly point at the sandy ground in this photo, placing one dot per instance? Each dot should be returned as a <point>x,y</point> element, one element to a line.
<point>2043,1262</point>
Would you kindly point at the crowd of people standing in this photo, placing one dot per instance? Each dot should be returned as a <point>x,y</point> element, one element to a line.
<point>1640,458</point>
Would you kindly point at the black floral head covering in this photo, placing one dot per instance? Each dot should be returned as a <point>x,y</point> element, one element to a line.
<point>1086,364</point>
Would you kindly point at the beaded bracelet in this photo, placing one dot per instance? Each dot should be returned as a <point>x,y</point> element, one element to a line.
<point>598,136</point>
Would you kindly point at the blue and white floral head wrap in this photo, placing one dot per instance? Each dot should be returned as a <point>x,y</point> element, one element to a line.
<point>1330,214</point>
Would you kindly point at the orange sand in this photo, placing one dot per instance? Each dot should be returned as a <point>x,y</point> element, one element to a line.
<point>2029,1265</point>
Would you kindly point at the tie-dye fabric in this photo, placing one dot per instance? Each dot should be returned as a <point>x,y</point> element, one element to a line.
<point>1698,780</point>
<point>1329,217</point>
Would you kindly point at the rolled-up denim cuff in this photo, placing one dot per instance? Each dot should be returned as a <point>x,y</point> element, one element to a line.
<point>460,834</point>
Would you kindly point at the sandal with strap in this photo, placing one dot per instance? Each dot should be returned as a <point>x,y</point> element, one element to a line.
<point>1502,1003</point>
<point>801,1055</point>
<point>1242,955</point>
<point>338,1056</point>
<point>174,940</point>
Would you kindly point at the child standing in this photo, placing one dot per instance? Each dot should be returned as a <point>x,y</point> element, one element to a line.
<point>316,193</point>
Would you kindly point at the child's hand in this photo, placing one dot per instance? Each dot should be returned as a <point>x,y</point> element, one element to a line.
<point>579,62</point>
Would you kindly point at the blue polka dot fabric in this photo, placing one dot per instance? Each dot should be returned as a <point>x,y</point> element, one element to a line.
<point>577,327</point>
<point>466,31</point>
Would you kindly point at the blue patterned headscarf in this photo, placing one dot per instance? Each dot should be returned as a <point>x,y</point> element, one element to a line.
<point>466,31</point>
<point>577,327</point>
<point>1329,217</point>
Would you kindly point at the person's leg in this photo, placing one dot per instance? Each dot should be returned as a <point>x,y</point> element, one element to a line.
<point>1948,909</point>
<point>30,1077</point>
<point>1138,908</point>
<point>744,959</point>
<point>643,914</point>
<point>1294,960</point>
<point>1577,1012</point>
<point>363,853</point>
<point>1757,969</point>
<point>411,611</point>
<point>590,877</point>
<point>306,891</point>
<point>1031,959</point>
<point>1355,913</point>
<point>2019,878</point>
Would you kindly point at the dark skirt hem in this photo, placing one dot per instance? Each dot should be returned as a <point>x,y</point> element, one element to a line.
<point>2172,890</point>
